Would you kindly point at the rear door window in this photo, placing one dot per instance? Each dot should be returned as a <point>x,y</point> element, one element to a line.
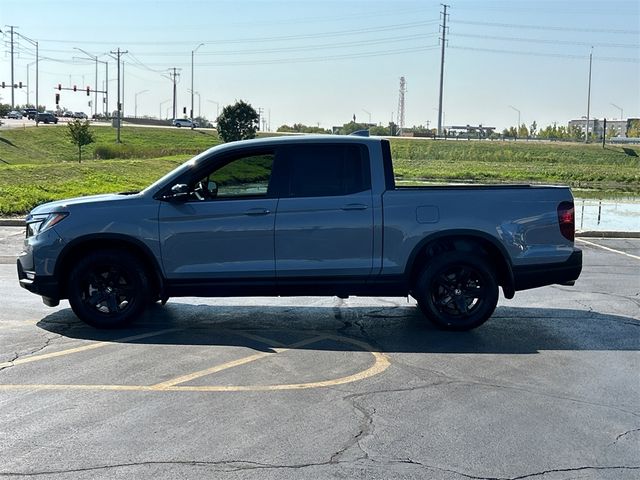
<point>320,170</point>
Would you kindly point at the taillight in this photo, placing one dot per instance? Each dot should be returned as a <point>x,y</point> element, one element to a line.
<point>567,220</point>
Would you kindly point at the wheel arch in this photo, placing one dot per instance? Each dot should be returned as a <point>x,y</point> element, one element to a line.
<point>462,240</point>
<point>79,247</point>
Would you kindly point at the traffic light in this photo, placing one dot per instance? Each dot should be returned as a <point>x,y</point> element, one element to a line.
<point>75,88</point>
<point>88,91</point>
<point>184,110</point>
<point>2,84</point>
<point>59,86</point>
<point>57,99</point>
<point>20,84</point>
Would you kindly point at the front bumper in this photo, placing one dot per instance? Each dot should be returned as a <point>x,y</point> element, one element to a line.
<point>46,286</point>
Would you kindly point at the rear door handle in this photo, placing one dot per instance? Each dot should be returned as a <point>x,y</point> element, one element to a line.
<point>258,211</point>
<point>355,206</point>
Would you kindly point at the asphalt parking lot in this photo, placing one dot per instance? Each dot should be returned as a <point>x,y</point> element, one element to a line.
<point>267,388</point>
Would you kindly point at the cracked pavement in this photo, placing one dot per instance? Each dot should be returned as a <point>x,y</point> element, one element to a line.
<point>548,389</point>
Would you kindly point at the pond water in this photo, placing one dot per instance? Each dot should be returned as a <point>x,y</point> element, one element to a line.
<point>618,215</point>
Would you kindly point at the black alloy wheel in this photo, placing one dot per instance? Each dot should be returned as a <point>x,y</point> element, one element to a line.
<point>108,289</point>
<point>457,291</point>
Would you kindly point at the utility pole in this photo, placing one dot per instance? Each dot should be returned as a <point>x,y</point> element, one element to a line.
<point>260,112</point>
<point>443,40</point>
<point>192,55</point>
<point>12,81</point>
<point>123,88</point>
<point>173,76</point>
<point>403,90</point>
<point>586,137</point>
<point>106,90</point>
<point>118,54</point>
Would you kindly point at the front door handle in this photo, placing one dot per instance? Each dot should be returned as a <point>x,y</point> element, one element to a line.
<point>257,211</point>
<point>355,206</point>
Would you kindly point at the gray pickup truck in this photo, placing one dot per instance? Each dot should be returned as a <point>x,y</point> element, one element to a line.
<point>286,216</point>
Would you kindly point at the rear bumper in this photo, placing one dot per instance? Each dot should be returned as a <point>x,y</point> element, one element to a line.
<point>533,276</point>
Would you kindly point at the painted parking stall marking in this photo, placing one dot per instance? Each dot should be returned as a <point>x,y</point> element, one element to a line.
<point>380,364</point>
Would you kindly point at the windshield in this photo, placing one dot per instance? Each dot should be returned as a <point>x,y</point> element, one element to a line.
<point>176,172</point>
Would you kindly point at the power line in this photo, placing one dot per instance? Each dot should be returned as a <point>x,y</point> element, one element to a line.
<point>278,61</point>
<point>539,27</point>
<point>540,54</point>
<point>338,33</point>
<point>302,48</point>
<point>548,41</point>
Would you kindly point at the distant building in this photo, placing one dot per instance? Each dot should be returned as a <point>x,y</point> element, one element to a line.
<point>470,131</point>
<point>615,128</point>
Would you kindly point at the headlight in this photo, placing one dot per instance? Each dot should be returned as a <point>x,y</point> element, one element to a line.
<point>39,223</point>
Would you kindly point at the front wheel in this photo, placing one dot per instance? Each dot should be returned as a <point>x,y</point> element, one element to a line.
<point>457,291</point>
<point>108,289</point>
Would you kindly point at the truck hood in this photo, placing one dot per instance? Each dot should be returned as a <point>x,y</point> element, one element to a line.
<point>64,205</point>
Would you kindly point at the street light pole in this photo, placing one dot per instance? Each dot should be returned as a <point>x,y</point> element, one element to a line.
<point>368,113</point>
<point>621,111</point>
<point>34,43</point>
<point>514,108</point>
<point>161,104</point>
<point>217,108</point>
<point>135,102</point>
<point>95,88</point>
<point>192,55</point>
<point>586,137</point>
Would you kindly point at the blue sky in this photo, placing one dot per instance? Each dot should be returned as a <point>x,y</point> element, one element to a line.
<point>321,62</point>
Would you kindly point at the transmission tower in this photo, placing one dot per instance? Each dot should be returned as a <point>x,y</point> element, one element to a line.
<point>403,90</point>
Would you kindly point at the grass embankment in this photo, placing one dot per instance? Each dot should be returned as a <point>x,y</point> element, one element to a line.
<point>40,164</point>
<point>613,169</point>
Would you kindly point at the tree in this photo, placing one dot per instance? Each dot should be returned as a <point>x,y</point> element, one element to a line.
<point>80,135</point>
<point>238,122</point>
<point>633,129</point>
<point>533,128</point>
<point>522,131</point>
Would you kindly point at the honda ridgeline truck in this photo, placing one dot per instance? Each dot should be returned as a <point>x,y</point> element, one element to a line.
<point>311,215</point>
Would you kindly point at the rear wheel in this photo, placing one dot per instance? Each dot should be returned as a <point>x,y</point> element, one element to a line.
<point>108,289</point>
<point>457,291</point>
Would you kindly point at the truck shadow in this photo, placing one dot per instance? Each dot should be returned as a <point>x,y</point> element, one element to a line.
<point>402,329</point>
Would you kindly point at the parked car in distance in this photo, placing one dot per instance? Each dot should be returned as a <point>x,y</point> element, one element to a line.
<point>15,115</point>
<point>30,113</point>
<point>80,115</point>
<point>184,122</point>
<point>46,117</point>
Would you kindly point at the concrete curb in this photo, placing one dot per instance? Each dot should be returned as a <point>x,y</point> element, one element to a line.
<point>12,222</point>
<point>19,222</point>
<point>597,234</point>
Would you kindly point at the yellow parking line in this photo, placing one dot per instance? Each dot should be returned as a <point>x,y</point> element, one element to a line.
<point>380,364</point>
<point>608,249</point>
<point>84,348</point>
<point>231,364</point>
<point>209,371</point>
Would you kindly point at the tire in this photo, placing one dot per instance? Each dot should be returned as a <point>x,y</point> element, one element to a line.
<point>108,289</point>
<point>457,291</point>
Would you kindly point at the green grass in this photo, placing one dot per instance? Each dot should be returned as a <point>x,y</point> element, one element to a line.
<point>50,144</point>
<point>576,165</point>
<point>40,164</point>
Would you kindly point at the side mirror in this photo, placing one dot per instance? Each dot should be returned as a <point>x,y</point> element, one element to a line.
<point>179,191</point>
<point>213,188</point>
